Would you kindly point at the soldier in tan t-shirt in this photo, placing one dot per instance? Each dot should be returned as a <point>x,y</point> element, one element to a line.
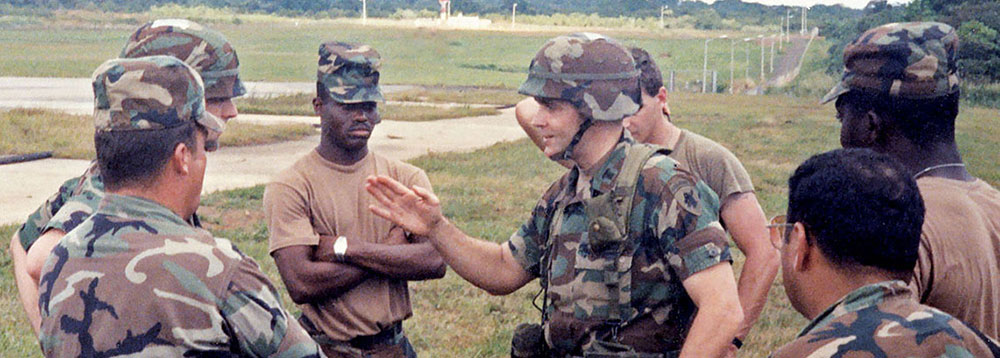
<point>712,163</point>
<point>905,104</point>
<point>346,268</point>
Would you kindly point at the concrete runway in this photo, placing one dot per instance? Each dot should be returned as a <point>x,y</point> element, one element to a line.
<point>27,185</point>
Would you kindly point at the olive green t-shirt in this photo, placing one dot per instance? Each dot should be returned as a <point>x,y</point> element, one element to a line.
<point>958,270</point>
<point>713,164</point>
<point>318,197</point>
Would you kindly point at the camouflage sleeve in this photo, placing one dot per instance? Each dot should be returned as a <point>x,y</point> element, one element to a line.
<point>39,219</point>
<point>74,210</point>
<point>688,226</point>
<point>262,328</point>
<point>527,244</point>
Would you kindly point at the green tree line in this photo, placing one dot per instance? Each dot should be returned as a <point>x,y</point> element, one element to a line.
<point>976,21</point>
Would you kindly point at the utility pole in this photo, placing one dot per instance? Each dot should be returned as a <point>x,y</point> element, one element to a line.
<point>772,55</point>
<point>781,33</point>
<point>761,39</point>
<point>746,68</point>
<point>513,15</point>
<point>732,61</point>
<point>803,30</point>
<point>704,67</point>
<point>364,12</point>
<point>663,10</point>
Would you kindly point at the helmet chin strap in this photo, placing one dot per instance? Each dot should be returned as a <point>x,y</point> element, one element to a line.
<point>567,153</point>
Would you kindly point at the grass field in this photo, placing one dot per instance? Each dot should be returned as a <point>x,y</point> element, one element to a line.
<point>286,50</point>
<point>771,134</point>
<point>301,105</point>
<point>72,136</point>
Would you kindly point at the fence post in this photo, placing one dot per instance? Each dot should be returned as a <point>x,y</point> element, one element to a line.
<point>715,78</point>
<point>671,81</point>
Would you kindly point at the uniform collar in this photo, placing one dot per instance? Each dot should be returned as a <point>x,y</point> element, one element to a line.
<point>611,164</point>
<point>861,298</point>
<point>138,208</point>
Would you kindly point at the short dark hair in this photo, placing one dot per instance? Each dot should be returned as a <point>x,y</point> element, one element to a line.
<point>134,158</point>
<point>862,208</point>
<point>650,78</point>
<point>924,122</point>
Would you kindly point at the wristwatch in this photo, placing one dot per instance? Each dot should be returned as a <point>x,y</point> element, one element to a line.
<point>340,248</point>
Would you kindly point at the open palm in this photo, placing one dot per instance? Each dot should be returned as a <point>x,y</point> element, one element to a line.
<point>416,209</point>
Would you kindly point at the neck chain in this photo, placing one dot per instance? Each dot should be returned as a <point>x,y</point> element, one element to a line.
<point>939,166</point>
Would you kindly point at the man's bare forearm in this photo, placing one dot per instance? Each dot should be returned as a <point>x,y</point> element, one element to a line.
<point>746,223</point>
<point>308,280</point>
<point>27,287</point>
<point>487,265</point>
<point>713,290</point>
<point>418,261</point>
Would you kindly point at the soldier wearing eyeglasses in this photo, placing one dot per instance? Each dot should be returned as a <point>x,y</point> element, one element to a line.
<point>900,95</point>
<point>848,245</point>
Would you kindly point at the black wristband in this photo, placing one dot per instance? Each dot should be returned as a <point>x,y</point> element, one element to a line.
<point>737,342</point>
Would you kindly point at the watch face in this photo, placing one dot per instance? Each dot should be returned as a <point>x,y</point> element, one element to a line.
<point>340,246</point>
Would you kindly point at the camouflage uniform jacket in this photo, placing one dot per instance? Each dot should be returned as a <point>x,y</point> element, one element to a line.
<point>884,320</point>
<point>673,234</point>
<point>79,196</point>
<point>135,279</point>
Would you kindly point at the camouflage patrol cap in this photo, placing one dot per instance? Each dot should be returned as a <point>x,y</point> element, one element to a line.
<point>149,93</point>
<point>350,72</point>
<point>593,72</point>
<point>202,48</point>
<point>913,60</point>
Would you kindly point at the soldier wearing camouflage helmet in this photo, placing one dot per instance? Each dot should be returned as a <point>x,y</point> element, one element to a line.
<point>135,278</point>
<point>346,268</point>
<point>205,50</point>
<point>900,95</point>
<point>627,246</point>
<point>848,245</point>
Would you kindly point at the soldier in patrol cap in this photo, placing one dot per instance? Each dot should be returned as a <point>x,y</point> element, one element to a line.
<point>848,245</point>
<point>215,60</point>
<point>346,268</point>
<point>900,95</point>
<point>135,278</point>
<point>627,247</point>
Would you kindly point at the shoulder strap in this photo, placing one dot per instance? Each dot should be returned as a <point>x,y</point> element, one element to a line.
<point>627,181</point>
<point>621,198</point>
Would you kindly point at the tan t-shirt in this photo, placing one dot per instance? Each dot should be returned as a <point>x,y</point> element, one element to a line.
<point>959,267</point>
<point>713,164</point>
<point>316,197</point>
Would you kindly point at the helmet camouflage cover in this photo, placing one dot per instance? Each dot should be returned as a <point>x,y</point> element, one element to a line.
<point>149,93</point>
<point>593,72</point>
<point>204,49</point>
<point>912,60</point>
<point>350,72</point>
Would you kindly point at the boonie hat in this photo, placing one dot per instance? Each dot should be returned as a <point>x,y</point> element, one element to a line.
<point>350,72</point>
<point>913,60</point>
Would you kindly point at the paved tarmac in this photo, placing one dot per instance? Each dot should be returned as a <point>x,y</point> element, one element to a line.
<point>27,185</point>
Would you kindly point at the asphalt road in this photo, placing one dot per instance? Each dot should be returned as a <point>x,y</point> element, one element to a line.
<point>27,185</point>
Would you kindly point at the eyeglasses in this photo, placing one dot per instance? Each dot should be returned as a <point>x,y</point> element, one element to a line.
<point>778,228</point>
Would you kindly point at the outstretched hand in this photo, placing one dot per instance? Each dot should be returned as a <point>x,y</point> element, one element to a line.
<point>416,209</point>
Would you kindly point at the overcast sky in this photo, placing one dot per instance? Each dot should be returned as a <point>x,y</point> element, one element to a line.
<point>857,4</point>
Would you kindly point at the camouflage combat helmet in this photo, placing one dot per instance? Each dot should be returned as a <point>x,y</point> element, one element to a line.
<point>149,93</point>
<point>912,60</point>
<point>202,48</point>
<point>350,72</point>
<point>593,72</point>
